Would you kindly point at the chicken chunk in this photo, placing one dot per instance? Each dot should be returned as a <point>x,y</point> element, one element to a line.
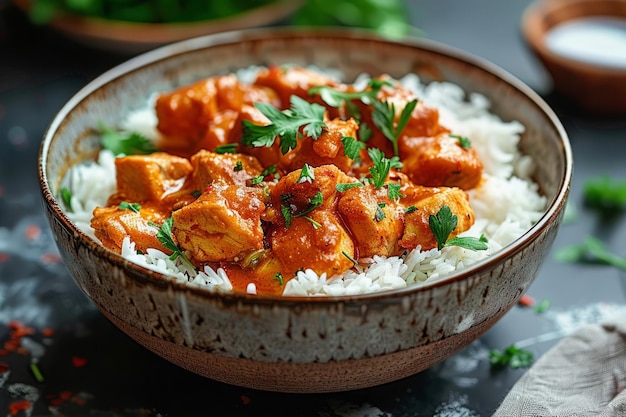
<point>288,81</point>
<point>210,167</point>
<point>222,224</point>
<point>112,224</point>
<point>186,114</point>
<point>149,177</point>
<point>374,221</point>
<point>326,149</point>
<point>440,161</point>
<point>427,201</point>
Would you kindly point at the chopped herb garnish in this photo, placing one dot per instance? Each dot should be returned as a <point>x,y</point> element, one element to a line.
<point>335,98</point>
<point>279,277</point>
<point>66,197</point>
<point>259,178</point>
<point>346,186</point>
<point>511,356</point>
<point>443,224</point>
<point>384,119</point>
<point>34,368</point>
<point>382,166</point>
<point>196,193</point>
<point>352,147</point>
<point>238,166</point>
<point>285,124</point>
<point>314,202</point>
<point>125,143</point>
<point>167,240</point>
<point>226,148</point>
<point>124,205</point>
<point>410,209</point>
<point>464,141</point>
<point>605,193</point>
<point>379,216</point>
<point>350,258</point>
<point>393,191</point>
<point>542,306</point>
<point>316,225</point>
<point>592,250</point>
<point>306,174</point>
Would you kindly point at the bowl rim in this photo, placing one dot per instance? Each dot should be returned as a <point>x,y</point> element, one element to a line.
<point>532,28</point>
<point>551,214</point>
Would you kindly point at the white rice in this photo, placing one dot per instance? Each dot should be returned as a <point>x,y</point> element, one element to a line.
<point>506,205</point>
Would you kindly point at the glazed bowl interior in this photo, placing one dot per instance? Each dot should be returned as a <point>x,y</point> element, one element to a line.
<point>271,342</point>
<point>595,86</point>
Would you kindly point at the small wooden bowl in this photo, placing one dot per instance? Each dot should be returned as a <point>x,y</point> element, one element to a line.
<point>593,87</point>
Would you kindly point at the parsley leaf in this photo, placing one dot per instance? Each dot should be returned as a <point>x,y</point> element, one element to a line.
<point>306,174</point>
<point>285,124</point>
<point>464,141</point>
<point>164,235</point>
<point>384,119</point>
<point>444,223</point>
<point>346,186</point>
<point>513,356</point>
<point>226,148</point>
<point>66,197</point>
<point>314,202</point>
<point>592,250</point>
<point>352,147</point>
<point>125,143</point>
<point>335,98</point>
<point>605,193</point>
<point>382,166</point>
<point>124,205</point>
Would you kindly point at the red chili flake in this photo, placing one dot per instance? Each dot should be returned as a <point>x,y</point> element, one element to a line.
<point>4,257</point>
<point>47,332</point>
<point>17,406</point>
<point>50,258</point>
<point>79,362</point>
<point>245,399</point>
<point>526,301</point>
<point>33,232</point>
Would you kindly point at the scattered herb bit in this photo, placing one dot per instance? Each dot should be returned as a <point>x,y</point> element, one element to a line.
<point>66,197</point>
<point>410,209</point>
<point>226,148</point>
<point>306,174</point>
<point>34,368</point>
<point>124,205</point>
<point>196,193</point>
<point>384,119</point>
<point>350,258</point>
<point>314,202</point>
<point>336,98</point>
<point>379,216</point>
<point>605,193</point>
<point>260,178</point>
<point>542,306</point>
<point>279,277</point>
<point>125,143</point>
<point>352,147</point>
<point>393,191</point>
<point>382,166</point>
<point>592,250</point>
<point>285,124</point>
<point>164,235</point>
<point>444,223</point>
<point>464,141</point>
<point>346,186</point>
<point>238,166</point>
<point>511,356</point>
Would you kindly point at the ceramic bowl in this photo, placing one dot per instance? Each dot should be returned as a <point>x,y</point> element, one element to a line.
<point>594,85</point>
<point>300,344</point>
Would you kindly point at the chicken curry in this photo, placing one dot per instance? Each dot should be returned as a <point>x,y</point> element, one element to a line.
<point>292,171</point>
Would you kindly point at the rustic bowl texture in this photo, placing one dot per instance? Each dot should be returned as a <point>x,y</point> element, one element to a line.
<point>597,89</point>
<point>304,345</point>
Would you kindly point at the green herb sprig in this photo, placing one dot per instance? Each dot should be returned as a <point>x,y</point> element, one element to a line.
<point>443,224</point>
<point>125,143</point>
<point>512,356</point>
<point>285,124</point>
<point>165,236</point>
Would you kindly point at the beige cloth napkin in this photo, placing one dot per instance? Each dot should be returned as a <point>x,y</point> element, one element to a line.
<point>583,375</point>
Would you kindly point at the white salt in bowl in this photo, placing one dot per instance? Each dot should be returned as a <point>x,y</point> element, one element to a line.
<point>299,343</point>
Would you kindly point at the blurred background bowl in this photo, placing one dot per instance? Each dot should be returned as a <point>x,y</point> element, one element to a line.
<point>298,344</point>
<point>582,45</point>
